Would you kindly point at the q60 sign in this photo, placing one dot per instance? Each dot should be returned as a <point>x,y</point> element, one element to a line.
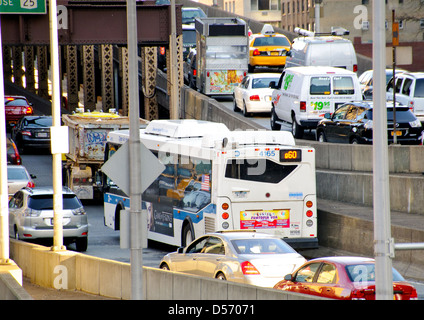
<point>292,155</point>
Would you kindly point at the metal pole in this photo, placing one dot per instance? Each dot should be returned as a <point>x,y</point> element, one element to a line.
<point>137,231</point>
<point>382,233</point>
<point>317,15</point>
<point>394,86</point>
<point>57,157</point>
<point>4,208</point>
<point>174,107</point>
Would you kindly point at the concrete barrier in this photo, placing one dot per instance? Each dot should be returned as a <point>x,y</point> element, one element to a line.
<point>68,270</point>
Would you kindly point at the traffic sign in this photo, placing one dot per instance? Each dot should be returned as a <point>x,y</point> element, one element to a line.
<point>23,7</point>
<point>115,169</point>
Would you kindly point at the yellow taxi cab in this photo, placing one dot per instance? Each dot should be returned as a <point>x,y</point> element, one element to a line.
<point>268,49</point>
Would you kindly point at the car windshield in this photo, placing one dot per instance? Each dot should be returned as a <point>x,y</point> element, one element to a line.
<point>402,114</point>
<point>261,246</point>
<point>189,15</point>
<point>16,173</point>
<point>366,272</point>
<point>45,202</point>
<point>38,122</point>
<point>263,82</point>
<point>16,102</point>
<point>271,41</point>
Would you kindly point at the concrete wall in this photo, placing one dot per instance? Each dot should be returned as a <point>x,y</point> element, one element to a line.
<point>75,271</point>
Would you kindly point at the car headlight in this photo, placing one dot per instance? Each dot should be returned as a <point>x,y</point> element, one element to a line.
<point>368,125</point>
<point>415,124</point>
<point>78,212</point>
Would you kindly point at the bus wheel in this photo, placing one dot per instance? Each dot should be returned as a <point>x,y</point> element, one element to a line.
<point>187,236</point>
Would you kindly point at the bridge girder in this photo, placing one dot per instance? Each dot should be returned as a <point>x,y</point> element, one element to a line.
<point>92,22</point>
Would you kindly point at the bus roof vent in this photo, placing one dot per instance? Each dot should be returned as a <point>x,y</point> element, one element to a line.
<point>236,139</point>
<point>187,128</point>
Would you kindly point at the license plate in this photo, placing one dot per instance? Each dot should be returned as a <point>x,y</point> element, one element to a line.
<point>42,135</point>
<point>398,133</point>
<point>275,53</point>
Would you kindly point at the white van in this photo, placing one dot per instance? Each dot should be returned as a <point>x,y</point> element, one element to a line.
<point>409,92</point>
<point>304,94</point>
<point>332,51</point>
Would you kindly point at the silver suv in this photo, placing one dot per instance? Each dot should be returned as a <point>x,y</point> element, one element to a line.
<point>31,216</point>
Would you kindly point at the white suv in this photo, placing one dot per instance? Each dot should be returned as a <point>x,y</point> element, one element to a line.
<point>409,88</point>
<point>31,216</point>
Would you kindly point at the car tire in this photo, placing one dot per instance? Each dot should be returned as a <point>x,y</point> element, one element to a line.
<point>220,276</point>
<point>81,244</point>
<point>15,228</point>
<point>250,68</point>
<point>273,121</point>
<point>245,112</point>
<point>235,108</point>
<point>297,130</point>
<point>164,266</point>
<point>321,137</point>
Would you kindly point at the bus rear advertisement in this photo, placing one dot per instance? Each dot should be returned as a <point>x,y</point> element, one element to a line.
<point>217,179</point>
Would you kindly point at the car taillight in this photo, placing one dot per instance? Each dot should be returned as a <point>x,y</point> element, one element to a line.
<point>255,97</point>
<point>355,67</point>
<point>256,52</point>
<point>302,106</point>
<point>30,184</point>
<point>248,269</point>
<point>414,295</point>
<point>411,105</point>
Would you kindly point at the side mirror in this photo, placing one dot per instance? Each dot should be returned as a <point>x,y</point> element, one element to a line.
<point>180,250</point>
<point>289,53</point>
<point>327,115</point>
<point>288,277</point>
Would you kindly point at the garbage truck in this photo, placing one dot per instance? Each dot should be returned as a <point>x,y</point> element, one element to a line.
<point>87,139</point>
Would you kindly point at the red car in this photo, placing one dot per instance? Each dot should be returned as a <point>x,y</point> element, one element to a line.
<point>16,107</point>
<point>343,278</point>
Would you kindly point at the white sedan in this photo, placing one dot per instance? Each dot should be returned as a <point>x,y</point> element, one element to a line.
<point>246,257</point>
<point>253,94</point>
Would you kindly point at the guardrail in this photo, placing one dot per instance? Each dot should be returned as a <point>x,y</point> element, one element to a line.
<point>70,270</point>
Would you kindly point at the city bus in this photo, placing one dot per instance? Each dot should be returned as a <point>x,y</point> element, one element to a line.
<point>216,180</point>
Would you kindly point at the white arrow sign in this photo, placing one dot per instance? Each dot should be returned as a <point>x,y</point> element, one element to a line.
<point>117,168</point>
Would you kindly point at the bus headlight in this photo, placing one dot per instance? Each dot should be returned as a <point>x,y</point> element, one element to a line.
<point>225,225</point>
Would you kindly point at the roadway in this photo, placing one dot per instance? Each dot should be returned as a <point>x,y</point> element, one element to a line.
<point>103,242</point>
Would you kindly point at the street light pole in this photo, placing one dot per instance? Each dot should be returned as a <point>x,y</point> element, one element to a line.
<point>382,233</point>
<point>56,121</point>
<point>137,232</point>
<point>4,209</point>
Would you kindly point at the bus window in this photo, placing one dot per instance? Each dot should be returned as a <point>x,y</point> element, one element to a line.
<point>259,170</point>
